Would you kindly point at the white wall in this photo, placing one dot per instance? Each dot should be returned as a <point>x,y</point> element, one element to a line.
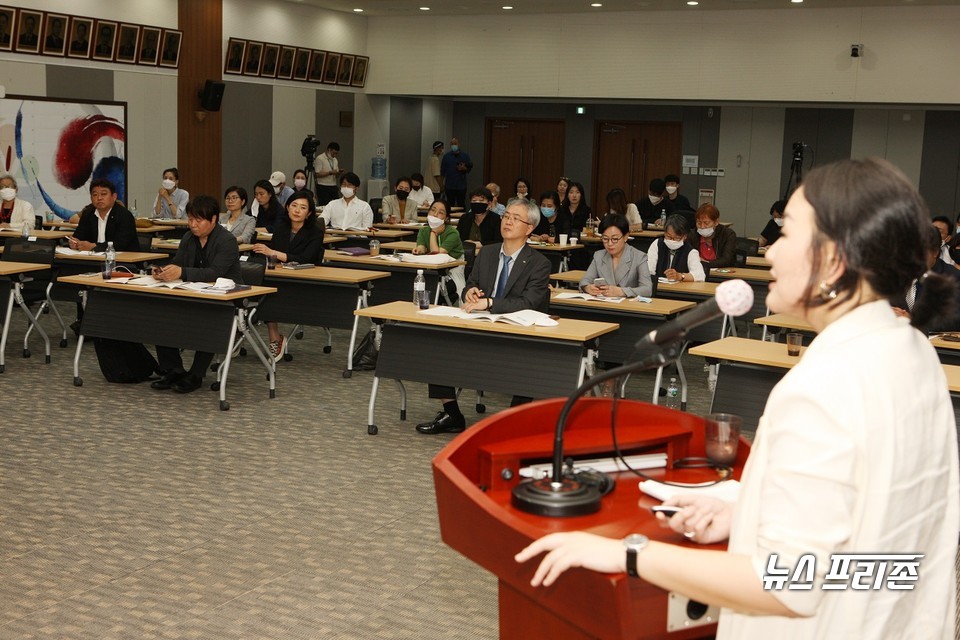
<point>294,112</point>
<point>371,126</point>
<point>894,134</point>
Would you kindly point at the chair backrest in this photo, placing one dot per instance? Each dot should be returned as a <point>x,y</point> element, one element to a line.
<point>469,255</point>
<point>38,251</point>
<point>376,204</point>
<point>252,273</point>
<point>748,246</point>
<point>146,242</point>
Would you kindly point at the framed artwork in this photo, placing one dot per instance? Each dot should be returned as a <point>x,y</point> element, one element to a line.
<point>346,119</point>
<point>302,65</point>
<point>316,66</point>
<point>288,56</point>
<point>331,68</point>
<point>8,18</point>
<point>346,70</point>
<point>149,45</point>
<point>128,42</point>
<point>251,61</point>
<point>55,34</point>
<point>28,31</point>
<point>105,40</point>
<point>170,52</point>
<point>234,61</point>
<point>80,29</point>
<point>271,56</point>
<point>360,71</point>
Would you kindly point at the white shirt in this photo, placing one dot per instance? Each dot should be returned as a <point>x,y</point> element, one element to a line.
<point>326,163</point>
<point>945,255</point>
<point>422,196</point>
<point>102,226</point>
<point>694,266</point>
<point>356,214</point>
<point>513,261</point>
<point>856,452</point>
<point>180,199</point>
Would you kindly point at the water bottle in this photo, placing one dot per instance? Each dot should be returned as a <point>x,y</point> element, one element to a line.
<point>111,261</point>
<point>552,232</point>
<point>663,218</point>
<point>673,395</point>
<point>420,291</point>
<point>25,229</point>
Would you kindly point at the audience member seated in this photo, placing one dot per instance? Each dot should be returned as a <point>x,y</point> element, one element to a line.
<point>242,226</point>
<point>577,208</point>
<point>771,232</point>
<point>266,208</point>
<point>672,257</point>
<point>624,268</point>
<point>716,243</point>
<point>207,252</point>
<point>553,218</point>
<point>480,224</point>
<point>171,201</point>
<point>419,193</point>
<point>617,203</point>
<point>522,189</point>
<point>942,224</point>
<point>680,202</point>
<point>562,185</point>
<point>498,208</point>
<point>14,212</point>
<point>300,184</point>
<point>656,203</point>
<point>904,306</point>
<point>441,237</point>
<point>348,211</point>
<point>105,220</point>
<point>506,277</point>
<point>298,238</point>
<point>278,180</point>
<point>399,207</point>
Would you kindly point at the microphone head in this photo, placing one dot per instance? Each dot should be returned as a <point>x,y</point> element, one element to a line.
<point>734,297</point>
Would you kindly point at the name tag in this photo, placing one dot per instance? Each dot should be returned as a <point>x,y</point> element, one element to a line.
<point>243,258</point>
<point>32,239</point>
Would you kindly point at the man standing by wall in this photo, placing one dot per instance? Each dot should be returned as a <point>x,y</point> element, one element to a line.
<point>454,167</point>
<point>432,178</point>
<point>328,175</point>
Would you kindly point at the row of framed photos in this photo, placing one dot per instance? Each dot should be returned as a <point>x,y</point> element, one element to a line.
<point>265,60</point>
<point>55,34</point>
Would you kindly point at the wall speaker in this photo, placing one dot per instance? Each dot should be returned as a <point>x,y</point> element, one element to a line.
<point>212,95</point>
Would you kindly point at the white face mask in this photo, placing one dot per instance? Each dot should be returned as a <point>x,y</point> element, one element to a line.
<point>347,192</point>
<point>276,189</point>
<point>671,190</point>
<point>706,233</point>
<point>434,222</point>
<point>673,245</point>
<point>168,184</point>
<point>654,199</point>
<point>299,183</point>
<point>8,194</point>
<point>779,221</point>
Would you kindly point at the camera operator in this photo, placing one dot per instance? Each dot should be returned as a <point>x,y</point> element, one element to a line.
<point>328,172</point>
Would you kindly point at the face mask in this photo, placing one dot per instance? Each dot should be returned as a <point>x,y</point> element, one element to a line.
<point>8,194</point>
<point>477,208</point>
<point>434,222</point>
<point>671,190</point>
<point>299,184</point>
<point>276,189</point>
<point>346,192</point>
<point>417,187</point>
<point>548,212</point>
<point>706,233</point>
<point>402,195</point>
<point>779,221</point>
<point>454,148</point>
<point>654,199</point>
<point>168,184</point>
<point>673,245</point>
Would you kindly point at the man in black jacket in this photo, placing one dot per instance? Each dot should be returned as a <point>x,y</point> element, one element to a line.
<point>207,252</point>
<point>480,224</point>
<point>103,221</point>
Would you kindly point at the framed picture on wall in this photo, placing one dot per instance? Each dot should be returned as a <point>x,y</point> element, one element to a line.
<point>316,66</point>
<point>271,56</point>
<point>251,60</point>
<point>302,66</point>
<point>234,60</point>
<point>8,18</point>
<point>105,40</point>
<point>55,34</point>
<point>288,56</point>
<point>28,31</point>
<point>360,71</point>
<point>331,68</point>
<point>128,41</point>
<point>80,29</point>
<point>346,70</point>
<point>149,45</point>
<point>170,52</point>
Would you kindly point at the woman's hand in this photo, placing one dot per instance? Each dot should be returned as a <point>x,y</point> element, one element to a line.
<point>574,549</point>
<point>703,519</point>
<point>592,290</point>
<point>611,292</point>
<point>419,250</point>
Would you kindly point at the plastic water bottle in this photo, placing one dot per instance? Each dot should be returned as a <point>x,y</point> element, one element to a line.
<point>420,291</point>
<point>673,395</point>
<point>111,262</point>
<point>663,218</point>
<point>25,229</point>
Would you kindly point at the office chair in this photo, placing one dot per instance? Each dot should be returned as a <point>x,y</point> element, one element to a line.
<point>36,287</point>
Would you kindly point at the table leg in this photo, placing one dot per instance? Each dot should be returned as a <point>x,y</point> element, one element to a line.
<point>18,294</point>
<point>372,428</point>
<point>403,399</point>
<point>77,380</point>
<point>361,304</point>
<point>6,329</point>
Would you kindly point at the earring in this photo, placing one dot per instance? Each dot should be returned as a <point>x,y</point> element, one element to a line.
<point>827,291</point>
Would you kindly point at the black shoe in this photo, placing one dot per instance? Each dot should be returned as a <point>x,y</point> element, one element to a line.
<point>188,383</point>
<point>167,381</point>
<point>443,423</point>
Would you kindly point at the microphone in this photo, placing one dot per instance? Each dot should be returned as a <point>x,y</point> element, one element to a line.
<point>733,298</point>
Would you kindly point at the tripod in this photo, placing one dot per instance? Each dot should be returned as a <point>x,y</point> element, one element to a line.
<point>311,185</point>
<point>796,169</point>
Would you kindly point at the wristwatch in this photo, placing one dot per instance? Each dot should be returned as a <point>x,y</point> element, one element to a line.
<point>634,544</point>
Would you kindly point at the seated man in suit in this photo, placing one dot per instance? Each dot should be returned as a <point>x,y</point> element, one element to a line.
<point>207,252</point>
<point>935,264</point>
<point>105,220</point>
<point>506,277</point>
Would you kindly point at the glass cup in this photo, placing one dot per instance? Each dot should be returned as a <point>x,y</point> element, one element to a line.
<point>563,239</point>
<point>794,342</point>
<point>721,437</point>
<point>374,247</point>
<point>271,261</point>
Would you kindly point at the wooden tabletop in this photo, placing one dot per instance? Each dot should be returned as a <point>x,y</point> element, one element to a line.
<point>758,262</point>
<point>656,306</point>
<point>391,234</point>
<point>168,225</point>
<point>742,273</point>
<point>12,268</point>
<point>408,226</point>
<point>170,222</point>
<point>568,276</point>
<point>567,329</point>
<point>122,257</point>
<point>173,245</point>
<point>399,245</point>
<point>940,343</point>
<point>953,377</point>
<point>98,281</point>
<point>45,234</point>
<point>553,246</point>
<point>770,354</point>
<point>785,321</point>
<point>692,288</point>
<point>373,261</point>
<point>328,274</point>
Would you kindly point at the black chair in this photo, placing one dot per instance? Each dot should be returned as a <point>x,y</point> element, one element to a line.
<point>376,204</point>
<point>252,273</point>
<point>746,247</point>
<point>36,286</point>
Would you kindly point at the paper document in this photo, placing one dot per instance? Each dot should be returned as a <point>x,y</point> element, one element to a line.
<point>603,465</point>
<point>728,490</point>
<point>523,318</point>
<point>67,251</point>
<point>586,296</point>
<point>431,259</point>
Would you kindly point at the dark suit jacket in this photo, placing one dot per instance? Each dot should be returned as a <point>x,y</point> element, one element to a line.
<point>219,259</point>
<point>528,286</point>
<point>724,243</point>
<point>305,246</point>
<point>489,228</point>
<point>121,228</point>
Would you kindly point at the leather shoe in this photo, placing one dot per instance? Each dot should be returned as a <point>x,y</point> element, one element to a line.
<point>443,423</point>
<point>167,381</point>
<point>188,383</point>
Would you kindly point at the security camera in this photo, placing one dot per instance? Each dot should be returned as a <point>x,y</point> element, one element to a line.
<point>856,50</point>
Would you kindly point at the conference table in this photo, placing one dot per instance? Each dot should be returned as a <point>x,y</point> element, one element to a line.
<point>119,311</point>
<point>43,234</point>
<point>535,362</point>
<point>151,229</point>
<point>14,274</point>
<point>400,284</point>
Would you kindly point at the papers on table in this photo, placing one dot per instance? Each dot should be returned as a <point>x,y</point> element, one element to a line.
<point>67,251</point>
<point>523,318</point>
<point>728,490</point>
<point>576,295</point>
<point>666,281</point>
<point>222,285</point>
<point>427,258</point>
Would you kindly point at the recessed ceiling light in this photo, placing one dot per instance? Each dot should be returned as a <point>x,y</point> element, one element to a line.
<point>693,3</point>
<point>424,8</point>
<point>358,10</point>
<point>596,4</point>
<point>507,8</point>
<point>797,1</point>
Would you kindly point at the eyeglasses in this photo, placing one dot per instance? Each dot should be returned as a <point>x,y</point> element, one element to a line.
<point>609,240</point>
<point>233,197</point>
<point>517,219</point>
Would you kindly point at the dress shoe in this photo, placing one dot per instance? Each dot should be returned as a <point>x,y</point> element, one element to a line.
<point>167,381</point>
<point>188,383</point>
<point>443,423</point>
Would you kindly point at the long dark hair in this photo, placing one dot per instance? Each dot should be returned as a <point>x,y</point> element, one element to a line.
<point>303,194</point>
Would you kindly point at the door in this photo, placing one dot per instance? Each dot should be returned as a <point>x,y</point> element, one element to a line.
<point>532,149</point>
<point>631,154</point>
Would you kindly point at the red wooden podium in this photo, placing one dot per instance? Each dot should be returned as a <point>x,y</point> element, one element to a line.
<point>474,476</point>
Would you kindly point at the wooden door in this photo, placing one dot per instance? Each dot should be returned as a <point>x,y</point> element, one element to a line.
<point>532,149</point>
<point>630,154</point>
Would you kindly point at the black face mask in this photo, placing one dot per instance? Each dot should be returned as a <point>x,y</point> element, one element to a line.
<point>478,207</point>
<point>402,195</point>
<point>417,187</point>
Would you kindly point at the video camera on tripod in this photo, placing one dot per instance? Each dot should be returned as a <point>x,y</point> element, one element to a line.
<point>308,149</point>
